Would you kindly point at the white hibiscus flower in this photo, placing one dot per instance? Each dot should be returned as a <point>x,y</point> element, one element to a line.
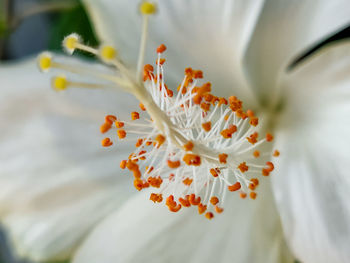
<point>58,184</point>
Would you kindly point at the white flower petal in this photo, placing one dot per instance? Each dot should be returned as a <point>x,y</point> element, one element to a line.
<point>312,183</point>
<point>56,180</point>
<point>283,31</point>
<point>207,35</point>
<point>247,231</point>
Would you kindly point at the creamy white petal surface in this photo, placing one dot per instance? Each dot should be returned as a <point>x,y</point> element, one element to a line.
<point>141,231</point>
<point>204,34</point>
<point>312,182</point>
<point>56,180</point>
<point>284,29</point>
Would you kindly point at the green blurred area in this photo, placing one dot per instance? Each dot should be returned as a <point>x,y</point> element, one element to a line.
<point>74,20</point>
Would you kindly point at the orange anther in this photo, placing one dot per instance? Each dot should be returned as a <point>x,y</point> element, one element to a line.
<point>269,137</point>
<point>252,186</point>
<point>209,215</point>
<point>223,157</point>
<point>156,198</point>
<point>197,74</point>
<point>141,155</point>
<point>205,106</point>
<point>161,48</point>
<point>222,101</point>
<point>187,181</point>
<point>252,195</point>
<point>123,164</point>
<point>119,124</point>
<point>138,183</point>
<point>110,119</point>
<point>276,153</point>
<point>270,165</point>
<point>255,181</point>
<point>193,200</point>
<point>188,71</point>
<point>132,165</point>
<point>139,142</point>
<point>243,167</point>
<point>188,146</point>
<point>175,208</point>
<point>256,154</point>
<point>201,208</point>
<point>227,133</point>
<point>236,186</point>
<point>214,172</point>
<point>106,142</point>
<point>235,104</point>
<point>160,139</point>
<point>205,88</point>
<point>185,202</point>
<point>192,159</point>
<point>241,114</point>
<point>218,210</point>
<point>148,67</point>
<point>161,61</point>
<point>105,127</point>
<point>254,121</point>
<point>155,181</point>
<point>253,138</point>
<point>170,201</point>
<point>214,100</point>
<point>174,164</point>
<point>208,97</point>
<point>121,134</point>
<point>142,107</point>
<point>226,117</point>
<point>250,113</point>
<point>206,126</point>
<point>135,115</point>
<point>242,195</point>
<point>136,173</point>
<point>197,99</point>
<point>214,200</point>
<point>265,172</point>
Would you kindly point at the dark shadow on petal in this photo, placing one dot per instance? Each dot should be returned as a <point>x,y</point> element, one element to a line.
<point>339,35</point>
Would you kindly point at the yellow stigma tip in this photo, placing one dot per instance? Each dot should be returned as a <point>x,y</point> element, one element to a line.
<point>60,83</point>
<point>45,62</point>
<point>70,42</point>
<point>148,8</point>
<point>108,52</point>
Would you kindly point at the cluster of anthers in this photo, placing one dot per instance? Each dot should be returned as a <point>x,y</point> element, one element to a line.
<point>191,146</point>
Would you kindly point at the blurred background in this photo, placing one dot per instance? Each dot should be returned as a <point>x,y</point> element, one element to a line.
<point>28,27</point>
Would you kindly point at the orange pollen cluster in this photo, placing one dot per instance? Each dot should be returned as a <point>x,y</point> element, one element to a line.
<point>223,158</point>
<point>188,146</point>
<point>156,198</point>
<point>253,138</point>
<point>192,159</point>
<point>187,181</point>
<point>243,167</point>
<point>174,164</point>
<point>215,172</point>
<point>196,151</point>
<point>269,169</point>
<point>206,126</point>
<point>227,133</point>
<point>107,125</point>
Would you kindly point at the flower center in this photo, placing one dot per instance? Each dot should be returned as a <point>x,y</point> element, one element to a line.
<point>191,146</point>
